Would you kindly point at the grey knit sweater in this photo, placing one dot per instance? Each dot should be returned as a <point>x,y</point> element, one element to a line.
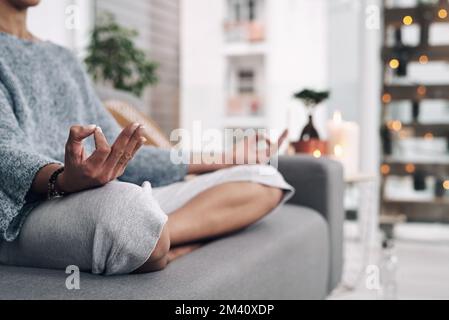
<point>43,91</point>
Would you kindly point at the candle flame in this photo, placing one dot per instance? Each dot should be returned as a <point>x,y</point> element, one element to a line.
<point>338,150</point>
<point>337,116</point>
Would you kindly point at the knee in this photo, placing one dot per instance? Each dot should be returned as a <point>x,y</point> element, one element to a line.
<point>121,206</point>
<point>125,220</point>
<point>159,257</point>
<point>162,247</point>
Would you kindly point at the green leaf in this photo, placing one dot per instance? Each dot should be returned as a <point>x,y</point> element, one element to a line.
<point>113,57</point>
<point>311,98</point>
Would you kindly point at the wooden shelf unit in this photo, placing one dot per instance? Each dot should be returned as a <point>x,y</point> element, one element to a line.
<point>404,168</point>
<point>435,53</point>
<point>421,129</point>
<point>422,14</point>
<point>431,210</point>
<point>417,92</point>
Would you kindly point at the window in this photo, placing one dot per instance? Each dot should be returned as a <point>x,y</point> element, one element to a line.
<point>246,82</point>
<point>252,10</point>
<point>244,10</point>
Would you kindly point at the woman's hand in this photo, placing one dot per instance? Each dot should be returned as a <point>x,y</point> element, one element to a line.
<point>256,149</point>
<point>105,164</point>
<point>247,151</point>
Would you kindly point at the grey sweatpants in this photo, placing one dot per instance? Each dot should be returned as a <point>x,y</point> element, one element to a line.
<point>113,229</point>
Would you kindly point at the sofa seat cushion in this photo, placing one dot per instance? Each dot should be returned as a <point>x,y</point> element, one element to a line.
<point>284,256</point>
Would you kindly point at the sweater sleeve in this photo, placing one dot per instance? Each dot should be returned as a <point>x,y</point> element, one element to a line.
<point>19,164</point>
<point>154,165</point>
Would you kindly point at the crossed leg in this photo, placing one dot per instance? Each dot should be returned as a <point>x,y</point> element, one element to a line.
<point>216,212</point>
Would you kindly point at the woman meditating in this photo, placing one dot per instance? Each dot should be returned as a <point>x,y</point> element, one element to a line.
<point>75,188</point>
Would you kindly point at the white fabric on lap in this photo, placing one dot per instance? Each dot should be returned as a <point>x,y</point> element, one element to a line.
<point>177,194</point>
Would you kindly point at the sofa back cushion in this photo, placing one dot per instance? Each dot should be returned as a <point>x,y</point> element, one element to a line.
<point>125,114</point>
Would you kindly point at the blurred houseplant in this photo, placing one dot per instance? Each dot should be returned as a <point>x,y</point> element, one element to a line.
<point>310,141</point>
<point>113,58</point>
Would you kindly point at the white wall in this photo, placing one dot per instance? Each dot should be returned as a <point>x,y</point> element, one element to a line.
<point>202,63</point>
<point>296,59</point>
<point>47,21</point>
<point>65,22</point>
<point>344,57</point>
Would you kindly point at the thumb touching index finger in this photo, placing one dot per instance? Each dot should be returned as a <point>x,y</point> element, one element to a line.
<point>79,133</point>
<point>74,146</point>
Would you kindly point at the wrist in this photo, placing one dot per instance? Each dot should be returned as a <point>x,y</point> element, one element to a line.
<point>53,190</point>
<point>61,185</point>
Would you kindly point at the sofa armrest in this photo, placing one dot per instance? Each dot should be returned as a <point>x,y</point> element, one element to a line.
<point>319,185</point>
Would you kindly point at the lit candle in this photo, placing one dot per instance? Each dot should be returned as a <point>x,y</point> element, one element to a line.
<point>343,143</point>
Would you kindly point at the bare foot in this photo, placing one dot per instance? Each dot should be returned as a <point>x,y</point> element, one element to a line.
<point>180,251</point>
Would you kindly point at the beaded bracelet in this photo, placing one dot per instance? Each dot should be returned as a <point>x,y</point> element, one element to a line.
<point>52,192</point>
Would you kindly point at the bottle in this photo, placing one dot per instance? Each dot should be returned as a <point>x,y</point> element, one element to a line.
<point>415,111</point>
<point>309,132</point>
<point>419,180</point>
<point>387,143</point>
<point>439,188</point>
<point>252,10</point>
<point>401,52</point>
<point>388,271</point>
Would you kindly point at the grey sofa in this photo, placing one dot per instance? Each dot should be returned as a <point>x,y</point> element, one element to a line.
<point>294,253</point>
